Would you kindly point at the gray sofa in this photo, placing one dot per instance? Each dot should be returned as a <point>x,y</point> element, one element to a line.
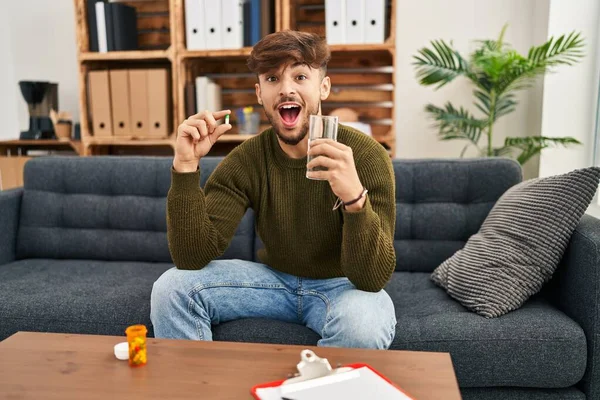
<point>83,241</point>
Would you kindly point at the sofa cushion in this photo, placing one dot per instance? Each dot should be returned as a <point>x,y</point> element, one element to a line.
<point>534,346</point>
<point>76,296</point>
<point>441,203</point>
<point>105,208</point>
<point>520,243</point>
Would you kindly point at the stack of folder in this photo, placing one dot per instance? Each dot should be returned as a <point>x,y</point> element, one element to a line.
<point>227,24</point>
<point>129,103</point>
<point>355,21</point>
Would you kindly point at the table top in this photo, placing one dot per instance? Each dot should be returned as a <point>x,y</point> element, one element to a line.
<point>68,366</point>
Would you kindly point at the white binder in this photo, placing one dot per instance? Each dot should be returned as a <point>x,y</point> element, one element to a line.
<point>194,25</point>
<point>232,24</point>
<point>374,21</point>
<point>213,96</point>
<point>212,24</point>
<point>355,25</point>
<point>335,21</point>
<point>208,95</point>
<point>101,27</point>
<point>201,92</point>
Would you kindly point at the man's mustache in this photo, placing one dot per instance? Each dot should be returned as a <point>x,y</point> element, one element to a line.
<point>288,99</point>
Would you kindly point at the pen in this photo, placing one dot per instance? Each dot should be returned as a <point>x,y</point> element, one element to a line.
<point>286,398</point>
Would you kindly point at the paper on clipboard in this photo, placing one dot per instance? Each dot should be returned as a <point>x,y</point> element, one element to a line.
<point>360,383</point>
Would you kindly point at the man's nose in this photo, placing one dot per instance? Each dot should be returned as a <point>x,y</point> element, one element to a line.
<point>287,87</point>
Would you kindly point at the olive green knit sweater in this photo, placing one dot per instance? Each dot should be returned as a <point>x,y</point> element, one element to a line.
<point>294,217</point>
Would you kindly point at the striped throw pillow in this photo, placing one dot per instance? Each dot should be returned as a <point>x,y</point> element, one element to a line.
<point>520,243</point>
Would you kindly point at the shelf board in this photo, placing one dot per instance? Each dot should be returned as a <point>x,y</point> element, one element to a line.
<point>245,51</point>
<point>224,53</point>
<point>126,141</point>
<point>341,48</point>
<point>75,145</point>
<point>124,55</point>
<point>38,142</point>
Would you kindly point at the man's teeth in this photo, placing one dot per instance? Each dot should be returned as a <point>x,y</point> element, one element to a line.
<point>289,106</point>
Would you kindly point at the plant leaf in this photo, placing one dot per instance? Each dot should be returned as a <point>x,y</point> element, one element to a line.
<point>440,65</point>
<point>566,50</point>
<point>456,123</point>
<point>505,104</point>
<point>532,145</point>
<point>502,151</point>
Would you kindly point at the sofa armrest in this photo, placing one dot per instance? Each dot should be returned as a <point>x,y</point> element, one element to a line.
<point>10,208</point>
<point>575,289</point>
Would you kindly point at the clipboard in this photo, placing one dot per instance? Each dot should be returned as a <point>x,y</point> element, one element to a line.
<point>316,380</point>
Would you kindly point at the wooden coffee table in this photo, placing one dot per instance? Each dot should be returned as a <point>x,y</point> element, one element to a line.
<point>63,366</point>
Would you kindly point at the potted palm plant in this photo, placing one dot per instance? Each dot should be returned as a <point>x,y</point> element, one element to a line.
<point>497,72</point>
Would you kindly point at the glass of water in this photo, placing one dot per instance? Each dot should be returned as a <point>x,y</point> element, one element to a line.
<point>321,127</point>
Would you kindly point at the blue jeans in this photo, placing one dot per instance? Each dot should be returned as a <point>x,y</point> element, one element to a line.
<point>185,304</point>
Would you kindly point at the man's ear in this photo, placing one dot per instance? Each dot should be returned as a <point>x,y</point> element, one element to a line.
<point>257,87</point>
<point>325,88</point>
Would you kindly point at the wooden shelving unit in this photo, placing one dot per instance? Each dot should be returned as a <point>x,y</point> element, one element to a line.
<point>21,147</point>
<point>125,55</point>
<point>362,75</point>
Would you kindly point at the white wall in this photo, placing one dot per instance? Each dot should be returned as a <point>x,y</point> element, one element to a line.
<point>570,97</point>
<point>9,119</point>
<point>37,42</point>
<point>461,21</point>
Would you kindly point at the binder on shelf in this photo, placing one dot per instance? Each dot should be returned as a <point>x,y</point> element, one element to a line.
<point>355,25</point>
<point>120,103</point>
<point>194,25</point>
<point>232,24</point>
<point>110,26</point>
<point>101,27</point>
<point>124,21</point>
<point>247,13</point>
<point>255,21</point>
<point>212,24</point>
<point>138,96</point>
<point>201,90</point>
<point>374,21</point>
<point>335,21</point>
<point>213,96</point>
<point>208,95</point>
<point>99,99</point>
<point>158,103</point>
<point>92,27</point>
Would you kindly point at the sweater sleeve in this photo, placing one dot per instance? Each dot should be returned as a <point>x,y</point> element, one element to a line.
<point>368,258</point>
<point>201,223</point>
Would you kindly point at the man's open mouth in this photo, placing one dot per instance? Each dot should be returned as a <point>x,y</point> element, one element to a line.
<point>290,113</point>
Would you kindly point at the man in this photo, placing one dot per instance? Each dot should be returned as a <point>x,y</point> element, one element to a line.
<point>320,267</point>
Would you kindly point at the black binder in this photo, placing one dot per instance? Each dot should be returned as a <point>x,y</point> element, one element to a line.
<point>124,23</point>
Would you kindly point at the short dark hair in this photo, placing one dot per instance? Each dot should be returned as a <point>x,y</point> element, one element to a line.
<point>289,47</point>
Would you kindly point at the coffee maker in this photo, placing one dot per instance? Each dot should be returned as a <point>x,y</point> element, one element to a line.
<point>41,97</point>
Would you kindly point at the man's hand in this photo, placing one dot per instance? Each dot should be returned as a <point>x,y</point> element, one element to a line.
<point>341,171</point>
<point>195,137</point>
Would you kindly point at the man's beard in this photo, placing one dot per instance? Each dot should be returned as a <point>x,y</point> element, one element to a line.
<point>301,133</point>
